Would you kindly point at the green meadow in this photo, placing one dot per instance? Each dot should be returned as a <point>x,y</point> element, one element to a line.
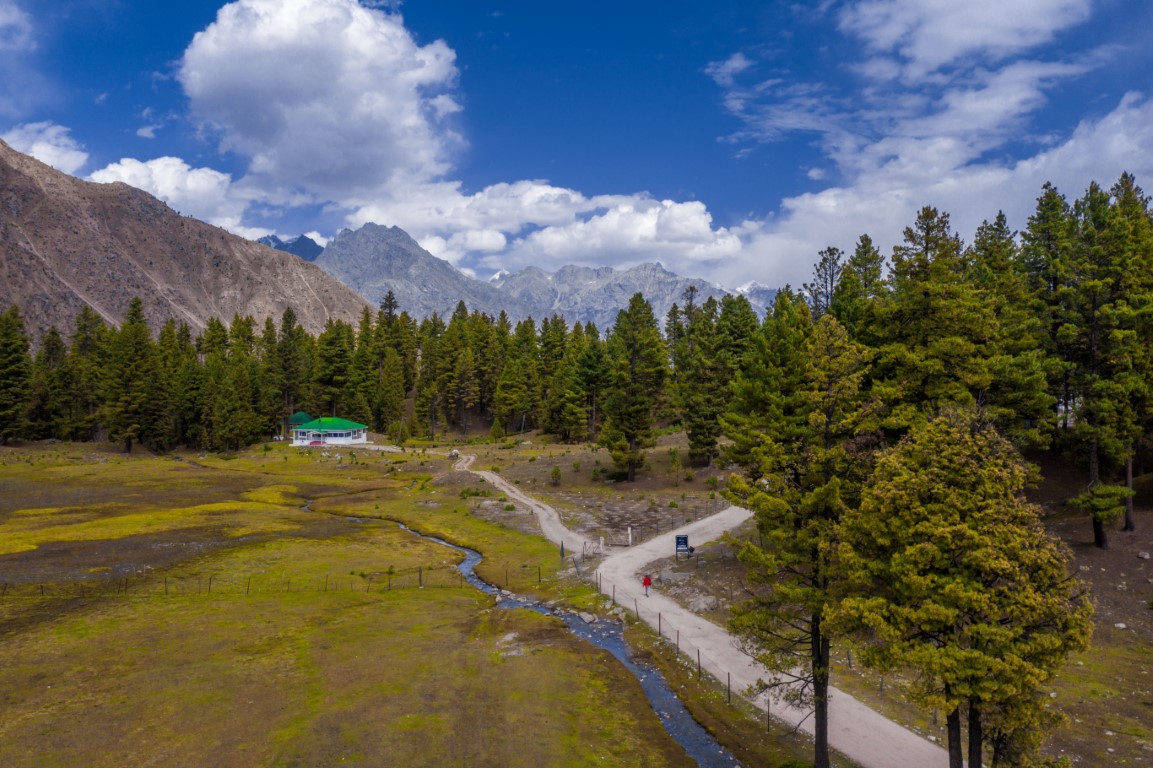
<point>265,610</point>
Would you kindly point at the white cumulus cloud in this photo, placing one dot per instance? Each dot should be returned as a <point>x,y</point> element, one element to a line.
<point>49,143</point>
<point>202,193</point>
<point>324,95</point>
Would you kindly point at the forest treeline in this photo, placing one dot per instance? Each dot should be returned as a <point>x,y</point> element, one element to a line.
<point>236,383</point>
<point>1050,332</point>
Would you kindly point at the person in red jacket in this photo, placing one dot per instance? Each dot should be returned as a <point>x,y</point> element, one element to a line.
<point>648,582</point>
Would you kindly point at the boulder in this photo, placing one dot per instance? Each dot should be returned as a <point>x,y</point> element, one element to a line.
<point>703,603</point>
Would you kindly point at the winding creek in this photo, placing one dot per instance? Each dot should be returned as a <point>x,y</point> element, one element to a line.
<point>609,636</point>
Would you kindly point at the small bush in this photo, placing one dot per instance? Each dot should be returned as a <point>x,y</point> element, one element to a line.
<point>510,507</point>
<point>469,492</point>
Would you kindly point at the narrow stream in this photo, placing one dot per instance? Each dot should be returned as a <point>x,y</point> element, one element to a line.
<point>686,731</point>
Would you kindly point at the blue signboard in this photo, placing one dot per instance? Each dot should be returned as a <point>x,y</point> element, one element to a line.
<point>683,544</point>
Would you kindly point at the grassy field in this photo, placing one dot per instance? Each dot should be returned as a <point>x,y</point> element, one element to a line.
<point>245,618</point>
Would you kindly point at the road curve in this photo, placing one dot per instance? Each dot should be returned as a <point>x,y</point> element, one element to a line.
<point>550,523</point>
<point>864,735</point>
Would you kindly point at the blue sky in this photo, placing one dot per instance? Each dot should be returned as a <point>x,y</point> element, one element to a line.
<point>728,140</point>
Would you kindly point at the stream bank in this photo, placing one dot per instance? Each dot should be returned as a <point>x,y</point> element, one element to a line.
<point>609,636</point>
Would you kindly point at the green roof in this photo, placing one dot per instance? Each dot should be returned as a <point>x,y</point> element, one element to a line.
<point>330,424</point>
<point>300,417</point>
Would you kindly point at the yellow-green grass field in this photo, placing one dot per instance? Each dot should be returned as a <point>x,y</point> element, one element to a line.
<point>244,618</point>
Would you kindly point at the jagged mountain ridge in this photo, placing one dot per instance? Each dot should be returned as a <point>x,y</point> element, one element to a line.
<point>302,245</point>
<point>375,259</point>
<point>596,294</point>
<point>65,243</point>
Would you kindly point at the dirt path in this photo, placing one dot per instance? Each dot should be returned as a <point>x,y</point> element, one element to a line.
<point>554,530</point>
<point>855,730</point>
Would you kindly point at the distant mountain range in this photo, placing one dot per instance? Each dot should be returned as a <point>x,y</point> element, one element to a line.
<point>66,243</point>
<point>376,259</point>
<point>303,246</point>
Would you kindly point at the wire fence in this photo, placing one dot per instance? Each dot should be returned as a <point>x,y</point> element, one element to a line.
<point>512,576</point>
<point>735,677</point>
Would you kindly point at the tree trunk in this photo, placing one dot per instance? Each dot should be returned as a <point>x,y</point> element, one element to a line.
<point>128,444</point>
<point>976,736</point>
<point>1130,524</point>
<point>820,660</point>
<point>956,750</point>
<point>1100,535</point>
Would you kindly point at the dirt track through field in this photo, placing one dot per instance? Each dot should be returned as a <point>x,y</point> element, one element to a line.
<point>864,735</point>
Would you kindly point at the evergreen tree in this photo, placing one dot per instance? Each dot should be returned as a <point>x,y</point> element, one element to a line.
<point>737,326</point>
<point>591,376</point>
<point>295,350</point>
<point>949,572</point>
<point>49,388</point>
<point>333,367</point>
<point>771,382</point>
<point>187,398</point>
<point>391,404</point>
<point>826,276</point>
<point>361,388</point>
<point>213,339</point>
<point>430,404</point>
<point>86,354</point>
<point>941,342</point>
<point>174,349</point>
<point>808,459</point>
<point>700,388</point>
<point>15,375</point>
<point>860,290</point>
<point>637,367</point>
<point>270,398</point>
<point>129,377</point>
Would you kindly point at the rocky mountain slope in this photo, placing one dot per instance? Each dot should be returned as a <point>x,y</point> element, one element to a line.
<point>65,243</point>
<point>597,294</point>
<point>376,259</point>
